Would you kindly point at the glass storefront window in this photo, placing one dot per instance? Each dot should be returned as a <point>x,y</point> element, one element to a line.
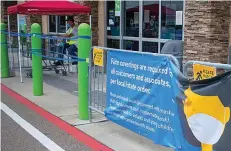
<point>131,18</point>
<point>113,43</point>
<point>52,24</point>
<point>150,47</point>
<point>172,19</point>
<point>131,45</point>
<point>61,24</point>
<point>150,19</point>
<point>113,21</point>
<point>59,21</point>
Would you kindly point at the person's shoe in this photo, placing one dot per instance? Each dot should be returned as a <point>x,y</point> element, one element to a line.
<point>58,63</point>
<point>75,63</point>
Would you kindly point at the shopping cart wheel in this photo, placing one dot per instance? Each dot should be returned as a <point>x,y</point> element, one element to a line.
<point>29,74</point>
<point>56,71</point>
<point>64,73</point>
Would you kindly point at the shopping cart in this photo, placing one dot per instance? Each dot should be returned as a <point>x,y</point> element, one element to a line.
<point>50,54</point>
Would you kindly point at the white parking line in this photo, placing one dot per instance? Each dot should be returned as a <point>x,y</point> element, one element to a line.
<point>45,141</point>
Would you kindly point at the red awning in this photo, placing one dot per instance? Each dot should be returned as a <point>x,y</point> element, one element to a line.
<point>48,8</point>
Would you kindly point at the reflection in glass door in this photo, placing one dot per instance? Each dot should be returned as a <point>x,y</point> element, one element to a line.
<point>150,19</point>
<point>131,25</point>
<point>141,26</point>
<point>131,18</point>
<point>172,20</point>
<point>145,25</point>
<point>150,47</point>
<point>113,20</point>
<point>150,26</point>
<point>131,45</point>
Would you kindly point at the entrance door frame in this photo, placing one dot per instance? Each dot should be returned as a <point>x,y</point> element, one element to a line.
<point>140,39</point>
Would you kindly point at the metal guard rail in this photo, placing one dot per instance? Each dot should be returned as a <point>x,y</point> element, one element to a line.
<point>226,67</point>
<point>172,58</point>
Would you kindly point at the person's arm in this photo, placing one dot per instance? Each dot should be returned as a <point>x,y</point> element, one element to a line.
<point>67,34</point>
<point>75,31</point>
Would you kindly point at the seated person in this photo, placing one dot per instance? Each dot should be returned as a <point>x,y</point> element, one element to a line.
<point>71,45</point>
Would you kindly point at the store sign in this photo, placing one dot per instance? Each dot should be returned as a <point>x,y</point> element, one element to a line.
<point>98,56</point>
<point>179,17</point>
<point>201,72</point>
<point>117,7</point>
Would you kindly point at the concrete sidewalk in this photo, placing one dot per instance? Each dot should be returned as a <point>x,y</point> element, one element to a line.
<point>63,102</point>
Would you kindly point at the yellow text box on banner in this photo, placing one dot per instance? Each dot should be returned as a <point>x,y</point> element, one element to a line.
<point>98,56</point>
<point>201,72</point>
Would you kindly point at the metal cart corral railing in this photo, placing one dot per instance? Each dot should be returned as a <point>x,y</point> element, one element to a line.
<point>98,77</point>
<point>226,67</point>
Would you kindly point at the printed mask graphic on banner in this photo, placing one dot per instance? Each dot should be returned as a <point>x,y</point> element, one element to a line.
<point>205,113</point>
<point>148,95</point>
<point>206,123</point>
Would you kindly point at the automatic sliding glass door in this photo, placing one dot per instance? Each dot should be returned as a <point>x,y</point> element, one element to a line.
<point>131,32</point>
<point>150,26</point>
<point>144,25</point>
<point>141,26</point>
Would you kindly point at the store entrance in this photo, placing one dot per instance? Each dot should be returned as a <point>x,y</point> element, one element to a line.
<point>145,25</point>
<point>141,25</point>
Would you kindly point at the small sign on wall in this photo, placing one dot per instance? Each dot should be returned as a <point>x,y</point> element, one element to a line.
<point>201,72</point>
<point>179,17</point>
<point>98,56</point>
<point>117,7</point>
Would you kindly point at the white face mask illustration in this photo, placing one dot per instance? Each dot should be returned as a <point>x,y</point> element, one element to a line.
<point>205,128</point>
<point>206,117</point>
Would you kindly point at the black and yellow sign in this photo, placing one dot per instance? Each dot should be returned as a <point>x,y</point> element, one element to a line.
<point>98,56</point>
<point>201,72</point>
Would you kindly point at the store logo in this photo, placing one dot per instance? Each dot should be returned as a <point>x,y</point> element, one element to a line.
<point>32,9</point>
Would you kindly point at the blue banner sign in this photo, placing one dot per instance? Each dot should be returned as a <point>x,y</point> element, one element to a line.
<point>146,95</point>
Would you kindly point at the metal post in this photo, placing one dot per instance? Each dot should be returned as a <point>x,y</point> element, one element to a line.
<point>10,43</point>
<point>90,86</point>
<point>19,50</point>
<point>90,20</point>
<point>4,54</point>
<point>91,28</point>
<point>83,52</point>
<point>37,72</point>
<point>23,40</point>
<point>140,25</point>
<point>159,25</point>
<point>18,23</point>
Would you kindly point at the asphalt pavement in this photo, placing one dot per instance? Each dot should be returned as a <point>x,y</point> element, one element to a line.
<point>24,130</point>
